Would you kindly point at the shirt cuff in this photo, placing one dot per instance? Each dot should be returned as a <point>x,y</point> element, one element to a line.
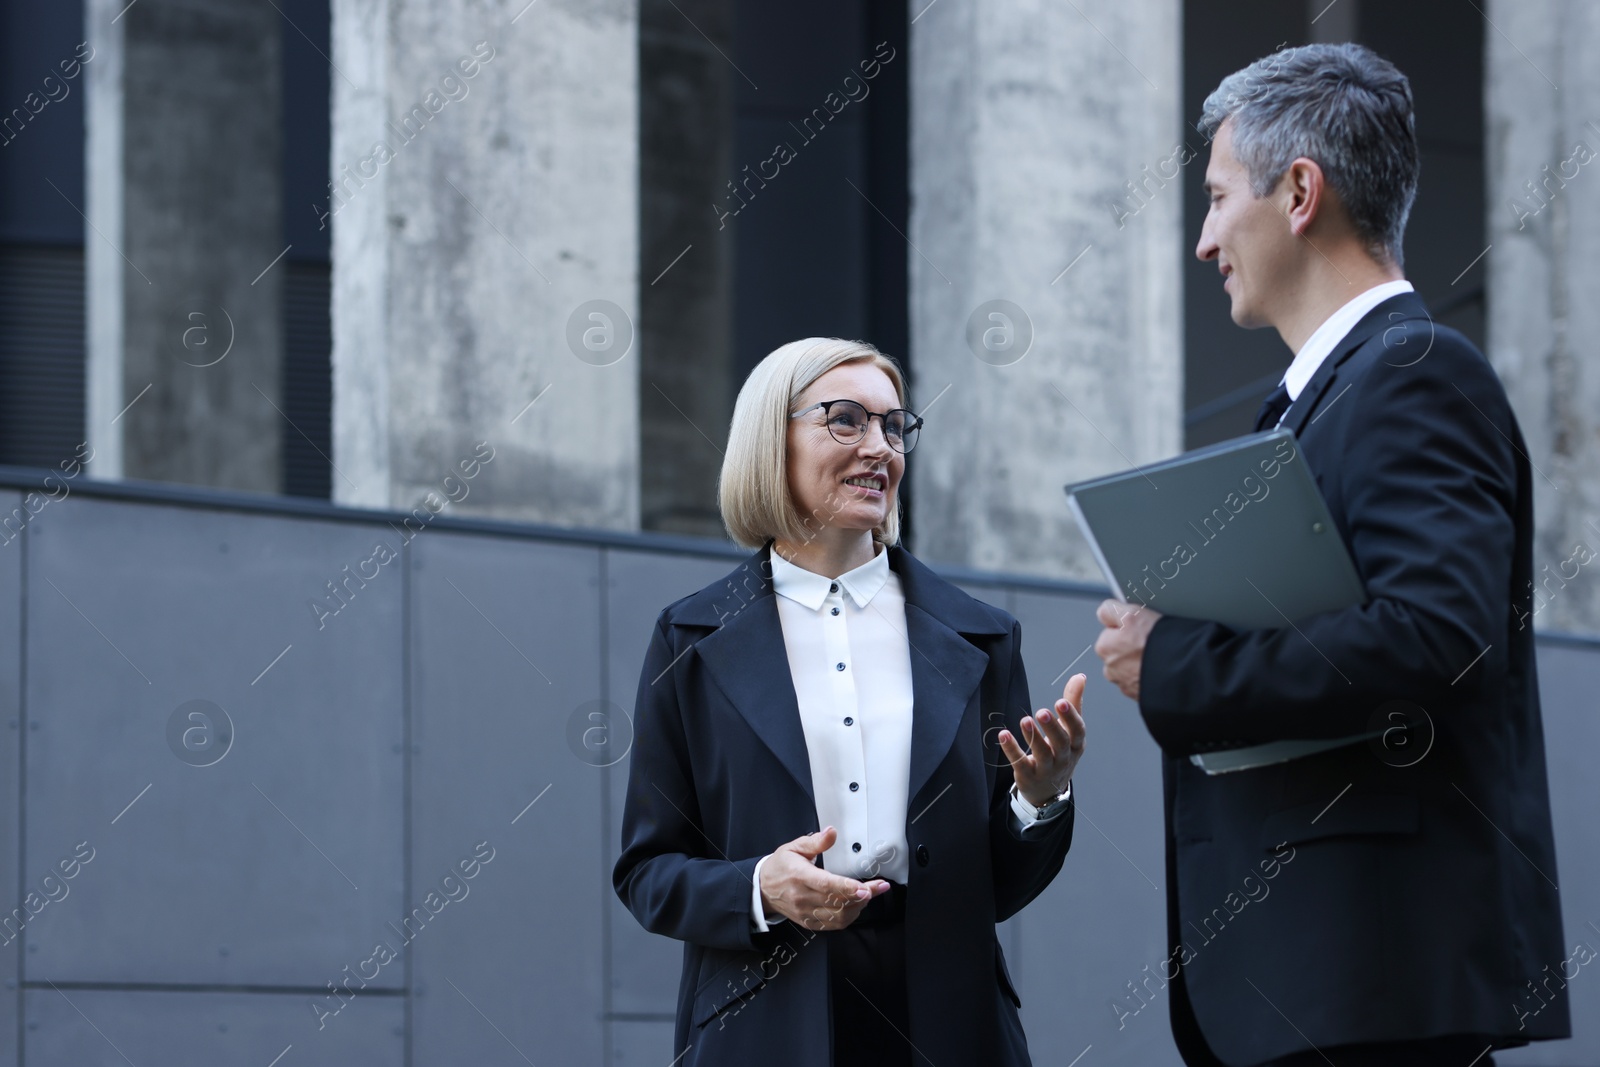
<point>757,913</point>
<point>1027,814</point>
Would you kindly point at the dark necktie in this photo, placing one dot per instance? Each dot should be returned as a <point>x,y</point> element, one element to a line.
<point>1273,407</point>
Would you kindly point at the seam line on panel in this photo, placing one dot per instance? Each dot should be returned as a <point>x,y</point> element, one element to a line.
<point>22,780</point>
<point>407,773</point>
<point>603,593</point>
<point>202,987</point>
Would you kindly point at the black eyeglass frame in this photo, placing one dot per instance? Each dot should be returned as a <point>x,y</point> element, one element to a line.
<point>913,422</point>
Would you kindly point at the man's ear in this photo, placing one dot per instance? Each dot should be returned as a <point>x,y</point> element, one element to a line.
<point>1304,190</point>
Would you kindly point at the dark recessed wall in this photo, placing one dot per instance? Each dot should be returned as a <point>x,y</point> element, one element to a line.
<point>768,213</point>
<point>307,388</point>
<point>42,343</point>
<point>813,255</point>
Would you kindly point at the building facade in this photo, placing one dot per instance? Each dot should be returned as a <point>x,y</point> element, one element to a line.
<point>322,253</point>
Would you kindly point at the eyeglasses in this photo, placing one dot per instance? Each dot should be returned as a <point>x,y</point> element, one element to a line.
<point>848,422</point>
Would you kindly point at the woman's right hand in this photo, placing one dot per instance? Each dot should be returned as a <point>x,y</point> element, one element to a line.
<point>796,888</point>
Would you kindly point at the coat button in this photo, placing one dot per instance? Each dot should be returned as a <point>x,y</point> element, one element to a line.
<point>922,855</point>
<point>855,787</point>
<point>834,587</point>
<point>855,847</point>
<point>838,666</point>
<point>849,721</point>
<point>836,611</point>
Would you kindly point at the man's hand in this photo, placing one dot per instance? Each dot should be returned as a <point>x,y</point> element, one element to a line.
<point>1121,643</point>
<point>796,888</point>
<point>1055,743</point>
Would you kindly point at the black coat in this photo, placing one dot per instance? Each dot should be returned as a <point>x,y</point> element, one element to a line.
<point>720,777</point>
<point>1414,892</point>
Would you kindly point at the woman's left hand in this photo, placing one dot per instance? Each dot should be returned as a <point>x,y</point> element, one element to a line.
<point>1055,743</point>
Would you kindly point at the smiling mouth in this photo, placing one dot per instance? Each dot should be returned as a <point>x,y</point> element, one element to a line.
<point>871,485</point>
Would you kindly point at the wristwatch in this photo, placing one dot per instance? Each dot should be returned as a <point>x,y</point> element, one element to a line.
<point>1049,808</point>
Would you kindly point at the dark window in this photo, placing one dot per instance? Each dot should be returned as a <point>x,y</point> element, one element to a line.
<point>307,330</point>
<point>42,343</point>
<point>773,200</point>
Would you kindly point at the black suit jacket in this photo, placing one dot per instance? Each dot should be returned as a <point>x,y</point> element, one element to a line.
<point>1413,878</point>
<point>720,777</point>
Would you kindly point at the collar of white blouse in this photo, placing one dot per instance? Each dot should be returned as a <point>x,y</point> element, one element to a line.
<point>810,589</point>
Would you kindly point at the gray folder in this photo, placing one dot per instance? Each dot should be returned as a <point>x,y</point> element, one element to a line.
<point>1236,533</point>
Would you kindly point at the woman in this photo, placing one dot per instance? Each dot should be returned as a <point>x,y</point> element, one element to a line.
<point>834,698</point>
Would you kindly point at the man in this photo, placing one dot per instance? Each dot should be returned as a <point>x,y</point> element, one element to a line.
<point>1413,915</point>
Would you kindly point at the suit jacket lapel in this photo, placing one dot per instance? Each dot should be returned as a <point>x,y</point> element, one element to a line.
<point>747,660</point>
<point>1388,319</point>
<point>945,667</point>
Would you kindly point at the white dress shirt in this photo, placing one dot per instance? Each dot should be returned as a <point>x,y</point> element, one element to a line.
<point>1333,330</point>
<point>850,662</point>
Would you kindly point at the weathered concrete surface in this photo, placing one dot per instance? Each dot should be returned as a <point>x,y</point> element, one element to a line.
<point>485,170</point>
<point>184,206</point>
<point>1028,122</point>
<point>1543,162</point>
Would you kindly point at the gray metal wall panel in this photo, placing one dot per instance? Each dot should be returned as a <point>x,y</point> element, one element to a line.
<point>540,947</point>
<point>644,967</point>
<point>100,1028</point>
<point>641,1044</point>
<point>505,644</point>
<point>1569,678</point>
<point>273,866</point>
<point>12,893</point>
<point>1103,919</point>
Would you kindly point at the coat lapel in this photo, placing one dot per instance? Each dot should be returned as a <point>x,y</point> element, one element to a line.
<point>1393,319</point>
<point>746,658</point>
<point>945,667</point>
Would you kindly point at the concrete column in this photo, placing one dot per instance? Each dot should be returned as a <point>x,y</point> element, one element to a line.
<point>484,204</point>
<point>1543,162</point>
<point>185,220</point>
<point>1045,285</point>
<point>686,260</point>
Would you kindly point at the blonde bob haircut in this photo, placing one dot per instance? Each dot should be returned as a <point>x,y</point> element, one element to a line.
<point>753,491</point>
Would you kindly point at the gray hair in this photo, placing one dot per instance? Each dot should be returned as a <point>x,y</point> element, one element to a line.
<point>1341,105</point>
